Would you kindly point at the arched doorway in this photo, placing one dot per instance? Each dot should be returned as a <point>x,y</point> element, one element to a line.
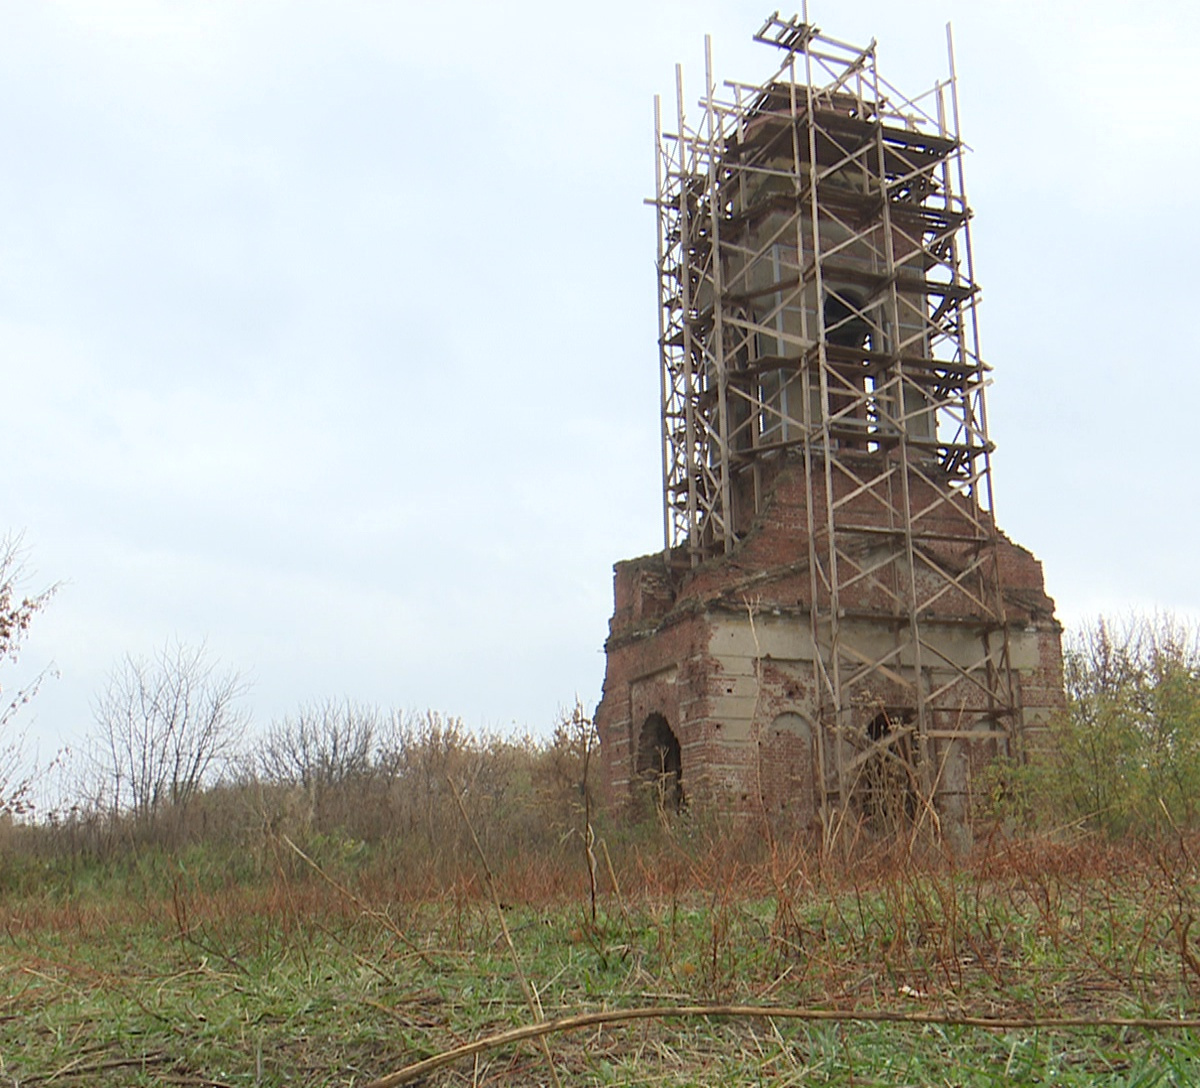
<point>660,762</point>
<point>887,787</point>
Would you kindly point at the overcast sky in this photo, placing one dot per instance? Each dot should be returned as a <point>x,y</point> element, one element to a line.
<point>328,329</point>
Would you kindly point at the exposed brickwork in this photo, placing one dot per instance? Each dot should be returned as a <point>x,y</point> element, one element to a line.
<point>724,653</point>
<point>839,634</point>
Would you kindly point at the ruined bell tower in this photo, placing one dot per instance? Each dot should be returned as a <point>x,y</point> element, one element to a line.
<point>836,635</point>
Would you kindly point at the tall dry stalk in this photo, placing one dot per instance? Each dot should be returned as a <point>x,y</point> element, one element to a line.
<point>531,997</point>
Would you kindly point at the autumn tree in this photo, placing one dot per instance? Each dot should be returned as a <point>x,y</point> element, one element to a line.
<point>167,726</point>
<point>17,609</point>
<point>1127,752</point>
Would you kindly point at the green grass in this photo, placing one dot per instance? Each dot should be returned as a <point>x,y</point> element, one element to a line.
<point>161,972</point>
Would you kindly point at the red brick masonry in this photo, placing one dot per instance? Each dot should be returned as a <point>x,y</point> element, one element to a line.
<point>723,655</point>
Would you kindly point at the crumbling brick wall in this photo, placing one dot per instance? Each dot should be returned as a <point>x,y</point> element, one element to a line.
<point>724,653</point>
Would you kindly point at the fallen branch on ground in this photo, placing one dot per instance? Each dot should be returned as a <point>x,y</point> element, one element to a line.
<point>660,1012</point>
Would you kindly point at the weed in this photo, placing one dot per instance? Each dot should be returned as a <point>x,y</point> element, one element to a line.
<point>338,969</point>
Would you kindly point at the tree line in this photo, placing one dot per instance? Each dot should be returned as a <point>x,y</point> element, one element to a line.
<point>172,742</point>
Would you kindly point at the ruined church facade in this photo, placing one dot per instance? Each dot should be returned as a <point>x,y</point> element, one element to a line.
<point>836,634</point>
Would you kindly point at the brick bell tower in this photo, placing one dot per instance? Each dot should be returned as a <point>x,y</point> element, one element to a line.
<point>836,635</point>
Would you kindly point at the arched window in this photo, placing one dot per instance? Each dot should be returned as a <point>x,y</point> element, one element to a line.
<point>845,327</point>
<point>660,762</point>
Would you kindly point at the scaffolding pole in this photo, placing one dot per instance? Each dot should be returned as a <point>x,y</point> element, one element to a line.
<point>818,314</point>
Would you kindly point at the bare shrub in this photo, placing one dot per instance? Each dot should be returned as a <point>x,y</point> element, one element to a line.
<point>321,746</point>
<point>331,752</point>
<point>17,609</point>
<point>167,727</point>
<point>434,756</point>
<point>562,789</point>
<point>391,778</point>
<point>363,792</point>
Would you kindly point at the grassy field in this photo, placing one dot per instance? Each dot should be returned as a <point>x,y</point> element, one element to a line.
<point>166,969</point>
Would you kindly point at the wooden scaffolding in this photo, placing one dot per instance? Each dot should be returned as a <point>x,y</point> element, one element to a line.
<point>818,309</point>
